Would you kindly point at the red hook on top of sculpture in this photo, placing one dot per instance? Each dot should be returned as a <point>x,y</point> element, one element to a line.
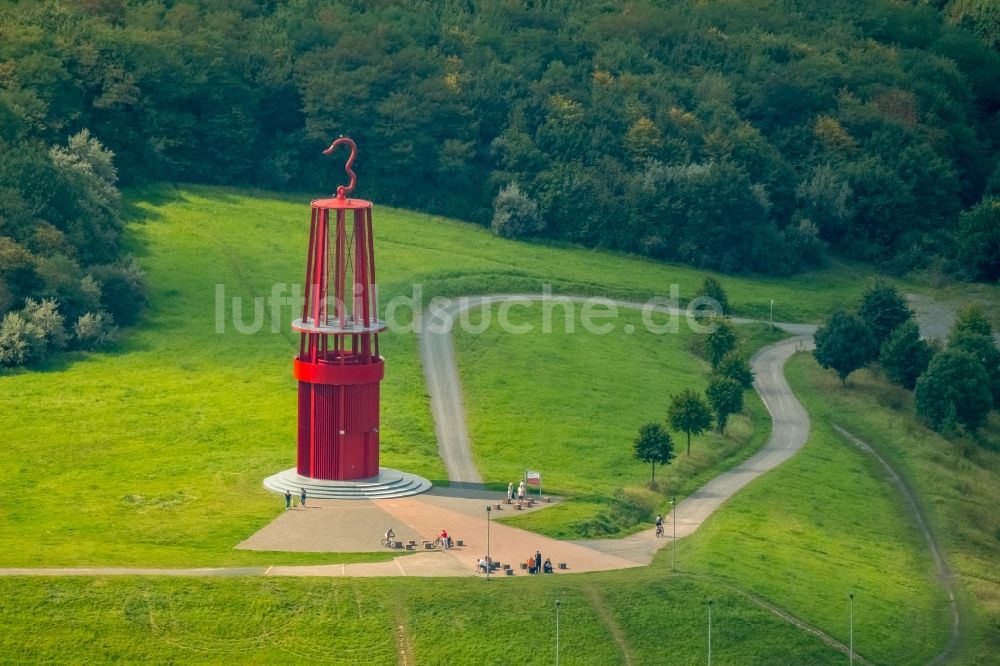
<point>342,191</point>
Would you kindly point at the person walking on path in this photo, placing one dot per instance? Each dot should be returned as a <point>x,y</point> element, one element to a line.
<point>510,493</point>
<point>288,500</point>
<point>302,498</point>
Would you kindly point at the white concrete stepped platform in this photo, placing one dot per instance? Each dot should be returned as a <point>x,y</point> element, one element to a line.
<point>389,483</point>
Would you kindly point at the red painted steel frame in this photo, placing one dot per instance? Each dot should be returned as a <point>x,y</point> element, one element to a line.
<point>338,366</point>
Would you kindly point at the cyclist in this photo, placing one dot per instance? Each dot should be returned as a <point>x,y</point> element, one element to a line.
<point>659,525</point>
<point>389,534</point>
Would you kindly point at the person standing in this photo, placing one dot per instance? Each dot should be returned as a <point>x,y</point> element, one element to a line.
<point>302,498</point>
<point>288,500</point>
<point>538,561</point>
<point>520,494</point>
<point>510,493</point>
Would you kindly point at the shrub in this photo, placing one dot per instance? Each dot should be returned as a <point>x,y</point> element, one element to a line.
<point>122,289</point>
<point>95,329</point>
<point>884,310</point>
<point>955,389</point>
<point>720,342</point>
<point>44,315</point>
<point>734,366</point>
<point>712,288</point>
<point>725,394</point>
<point>515,214</point>
<point>31,334</point>
<point>19,340</point>
<point>905,355</point>
<point>983,349</point>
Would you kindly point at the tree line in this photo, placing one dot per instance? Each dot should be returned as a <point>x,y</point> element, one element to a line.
<point>737,135</point>
<point>689,412</point>
<point>954,385</point>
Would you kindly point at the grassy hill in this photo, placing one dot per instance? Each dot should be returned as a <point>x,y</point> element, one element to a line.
<point>153,453</point>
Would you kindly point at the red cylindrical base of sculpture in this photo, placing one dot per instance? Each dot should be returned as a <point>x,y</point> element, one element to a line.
<point>338,431</point>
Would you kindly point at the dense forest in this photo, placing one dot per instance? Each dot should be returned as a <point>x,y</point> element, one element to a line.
<point>737,135</point>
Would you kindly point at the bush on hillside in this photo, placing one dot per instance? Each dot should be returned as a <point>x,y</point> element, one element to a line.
<point>94,330</point>
<point>954,391</point>
<point>515,214</point>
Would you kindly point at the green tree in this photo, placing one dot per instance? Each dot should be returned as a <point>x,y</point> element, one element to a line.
<point>978,240</point>
<point>712,288</point>
<point>726,397</point>
<point>688,413</point>
<point>905,355</point>
<point>955,387</point>
<point>845,344</point>
<point>720,341</point>
<point>984,350</point>
<point>734,366</point>
<point>972,319</point>
<point>883,309</point>
<point>653,445</point>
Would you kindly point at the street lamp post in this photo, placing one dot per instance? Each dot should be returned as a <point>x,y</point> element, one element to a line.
<point>851,651</point>
<point>772,313</point>
<point>557,632</point>
<point>709,632</point>
<point>489,562</point>
<point>673,540</point>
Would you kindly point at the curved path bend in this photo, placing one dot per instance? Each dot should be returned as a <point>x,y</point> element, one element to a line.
<point>789,434</point>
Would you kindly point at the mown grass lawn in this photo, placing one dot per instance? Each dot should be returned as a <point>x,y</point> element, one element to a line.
<point>569,404</point>
<point>350,621</point>
<point>955,483</point>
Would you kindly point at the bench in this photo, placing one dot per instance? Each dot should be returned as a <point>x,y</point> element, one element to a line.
<point>498,507</point>
<point>411,546</point>
<point>427,544</point>
<point>517,507</point>
<point>562,565</point>
<point>524,565</point>
<point>398,545</point>
<point>508,571</point>
<point>459,543</point>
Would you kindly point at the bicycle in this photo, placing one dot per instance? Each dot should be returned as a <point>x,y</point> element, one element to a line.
<point>387,543</point>
<point>438,543</point>
<point>659,530</point>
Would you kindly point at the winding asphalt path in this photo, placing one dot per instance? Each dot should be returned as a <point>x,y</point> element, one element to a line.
<point>789,434</point>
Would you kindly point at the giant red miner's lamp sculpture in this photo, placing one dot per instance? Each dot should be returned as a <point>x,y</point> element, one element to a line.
<point>338,367</point>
